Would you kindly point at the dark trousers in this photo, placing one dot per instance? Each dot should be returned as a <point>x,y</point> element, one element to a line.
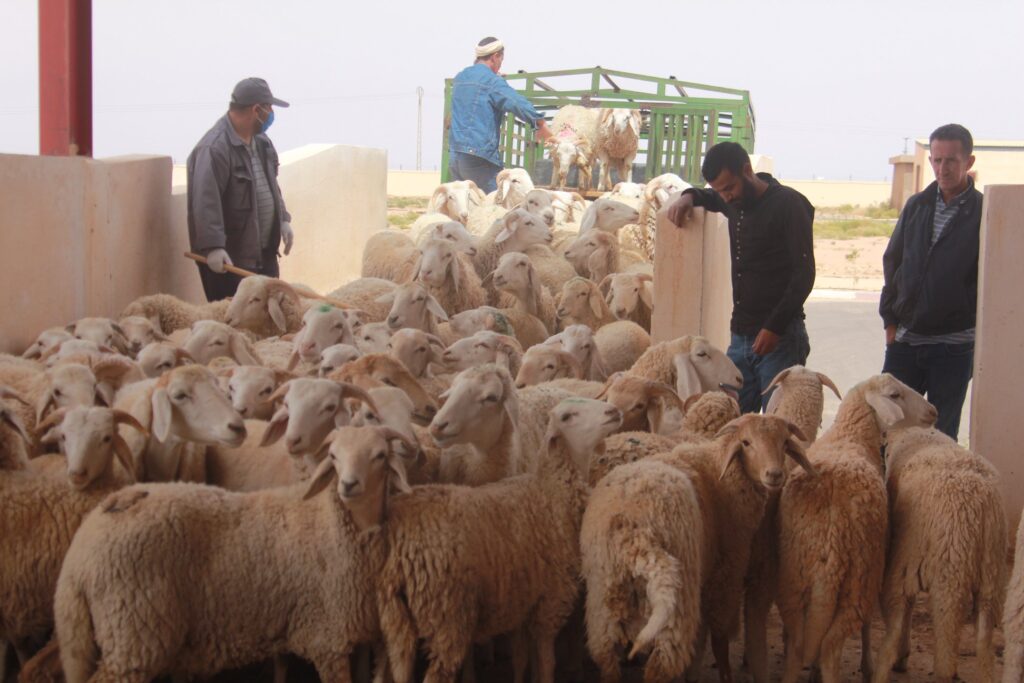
<point>462,166</point>
<point>939,372</point>
<point>219,286</point>
<point>759,371</point>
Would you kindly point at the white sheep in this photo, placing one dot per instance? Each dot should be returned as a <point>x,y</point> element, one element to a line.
<point>249,388</point>
<point>681,523</point>
<point>456,199</point>
<point>630,296</point>
<point>948,539</point>
<point>598,255</point>
<point>644,402</point>
<point>43,506</point>
<point>691,364</point>
<point>392,254</point>
<point>607,215</point>
<point>614,347</point>
<point>133,564</point>
<point>481,348</point>
<point>412,305</point>
<point>173,313</point>
<point>547,363</point>
<point>417,350</point>
<point>523,580</point>
<point>618,136</point>
<point>365,295</point>
<point>573,139</point>
<point>656,195</point>
<point>47,339</point>
<point>373,337</point>
<point>517,276</point>
<point>157,358</point>
<point>516,231</point>
<point>487,429</point>
<point>526,328</point>
<point>183,410</point>
<point>833,528</point>
<point>626,190</point>
<point>581,303</point>
<point>322,326</point>
<point>513,185</point>
<point>450,277</point>
<point>333,357</point>
<point>380,369</point>
<point>210,339</point>
<point>15,441</point>
<point>1013,616</point>
<point>103,332</point>
<point>139,332</point>
<point>541,203</point>
<point>267,307</point>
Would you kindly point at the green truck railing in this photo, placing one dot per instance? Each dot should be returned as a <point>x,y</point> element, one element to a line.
<point>680,119</point>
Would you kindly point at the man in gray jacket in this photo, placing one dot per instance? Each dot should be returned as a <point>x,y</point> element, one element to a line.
<point>236,215</point>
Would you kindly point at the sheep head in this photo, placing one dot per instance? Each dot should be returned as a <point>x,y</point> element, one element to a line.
<point>310,409</point>
<point>479,405</point>
<point>210,339</point>
<point>188,404</point>
<point>581,424</point>
<point>89,440</point>
<point>758,445</point>
<point>259,304</point>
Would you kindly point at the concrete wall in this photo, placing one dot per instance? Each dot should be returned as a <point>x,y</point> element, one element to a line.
<point>839,192</point>
<point>997,431</point>
<point>81,237</point>
<point>85,237</point>
<point>413,183</point>
<point>692,281</point>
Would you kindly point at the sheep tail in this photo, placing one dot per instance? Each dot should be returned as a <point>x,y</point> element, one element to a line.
<point>75,632</point>
<point>661,572</point>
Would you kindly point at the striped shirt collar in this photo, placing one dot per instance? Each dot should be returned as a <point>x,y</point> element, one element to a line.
<point>959,199</point>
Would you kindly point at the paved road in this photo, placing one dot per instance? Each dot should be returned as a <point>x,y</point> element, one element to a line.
<point>847,344</point>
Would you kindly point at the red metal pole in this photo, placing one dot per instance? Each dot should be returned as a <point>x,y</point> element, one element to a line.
<point>65,77</point>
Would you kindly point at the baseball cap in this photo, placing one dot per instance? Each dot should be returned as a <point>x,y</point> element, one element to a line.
<point>254,91</point>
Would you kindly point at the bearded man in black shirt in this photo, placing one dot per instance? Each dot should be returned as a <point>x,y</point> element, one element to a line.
<point>772,256</point>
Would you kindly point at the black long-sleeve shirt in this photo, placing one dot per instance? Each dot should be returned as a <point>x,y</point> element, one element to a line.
<point>772,252</point>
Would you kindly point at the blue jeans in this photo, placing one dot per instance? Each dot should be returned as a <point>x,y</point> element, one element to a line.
<point>939,372</point>
<point>759,371</point>
<point>462,166</point>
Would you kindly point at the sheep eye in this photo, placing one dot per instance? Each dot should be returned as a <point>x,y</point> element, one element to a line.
<point>266,391</point>
<point>745,442</point>
<point>388,382</point>
<point>106,439</point>
<point>379,456</point>
<point>163,366</point>
<point>180,397</point>
<point>327,368</point>
<point>895,394</point>
<point>702,354</point>
<point>339,326</point>
<point>421,349</point>
<point>566,417</point>
<point>57,393</point>
<point>371,416</point>
<point>217,343</point>
<point>639,406</point>
<point>491,398</point>
<point>330,408</point>
<point>255,300</point>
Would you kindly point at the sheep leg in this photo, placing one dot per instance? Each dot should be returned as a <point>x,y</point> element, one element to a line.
<point>604,172</point>
<point>280,669</point>
<point>755,624</point>
<point>793,665</point>
<point>895,620</point>
<point>570,641</point>
<point>334,669</point>
<point>946,627</point>
<point>545,664</point>
<point>693,671</point>
<point>829,662</point>
<point>519,644</point>
<point>105,675</point>
<point>865,651</point>
<point>904,651</point>
<point>720,648</point>
<point>986,655</point>
<point>469,666</point>
<point>381,670</point>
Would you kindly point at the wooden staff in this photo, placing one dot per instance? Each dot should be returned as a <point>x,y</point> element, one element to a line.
<point>303,292</point>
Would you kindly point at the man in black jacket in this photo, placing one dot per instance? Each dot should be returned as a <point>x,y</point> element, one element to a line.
<point>772,255</point>
<point>930,296</point>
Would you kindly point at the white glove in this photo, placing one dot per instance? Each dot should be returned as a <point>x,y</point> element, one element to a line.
<point>217,259</point>
<point>287,236</point>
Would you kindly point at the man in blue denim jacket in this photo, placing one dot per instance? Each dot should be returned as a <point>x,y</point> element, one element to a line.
<point>480,97</point>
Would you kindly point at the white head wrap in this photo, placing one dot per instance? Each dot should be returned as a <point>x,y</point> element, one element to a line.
<point>490,48</point>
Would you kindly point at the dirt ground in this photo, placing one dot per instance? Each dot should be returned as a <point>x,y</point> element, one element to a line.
<point>859,258</point>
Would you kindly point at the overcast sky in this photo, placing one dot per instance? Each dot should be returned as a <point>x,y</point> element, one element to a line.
<point>836,86</point>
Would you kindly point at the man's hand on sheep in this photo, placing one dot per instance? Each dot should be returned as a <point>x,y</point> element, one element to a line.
<point>681,211</point>
<point>543,132</point>
<point>765,342</point>
<point>287,236</point>
<point>217,259</point>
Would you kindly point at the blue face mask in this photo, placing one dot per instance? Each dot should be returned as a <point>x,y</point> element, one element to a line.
<point>264,125</point>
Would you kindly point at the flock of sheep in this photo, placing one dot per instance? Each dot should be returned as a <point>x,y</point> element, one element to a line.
<point>474,448</point>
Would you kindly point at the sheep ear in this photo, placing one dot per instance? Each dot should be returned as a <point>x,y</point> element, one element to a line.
<point>595,302</point>
<point>397,467</point>
<point>104,395</point>
<point>158,330</point>
<point>387,298</point>
<point>163,414</point>
<point>608,385</point>
<point>887,411</point>
<point>734,454</point>
<point>775,400</point>
<point>436,201</point>
<point>276,428</point>
<point>322,477</point>
<point>456,271</point>
<point>687,379</point>
<point>125,456</point>
<point>45,403</point>
<point>598,370</point>
<point>589,218</point>
<point>240,350</point>
<point>183,356</point>
<point>276,314</point>
<point>510,222</point>
<point>597,262</point>
<point>419,264</point>
<point>634,122</point>
<point>794,449</point>
<point>647,294</point>
<point>435,308</point>
<point>14,422</point>
<point>605,285</point>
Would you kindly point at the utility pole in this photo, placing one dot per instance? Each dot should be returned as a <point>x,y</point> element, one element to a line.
<point>419,128</point>
<point>905,140</point>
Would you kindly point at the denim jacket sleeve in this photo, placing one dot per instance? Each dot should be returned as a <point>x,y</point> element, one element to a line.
<point>505,99</point>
